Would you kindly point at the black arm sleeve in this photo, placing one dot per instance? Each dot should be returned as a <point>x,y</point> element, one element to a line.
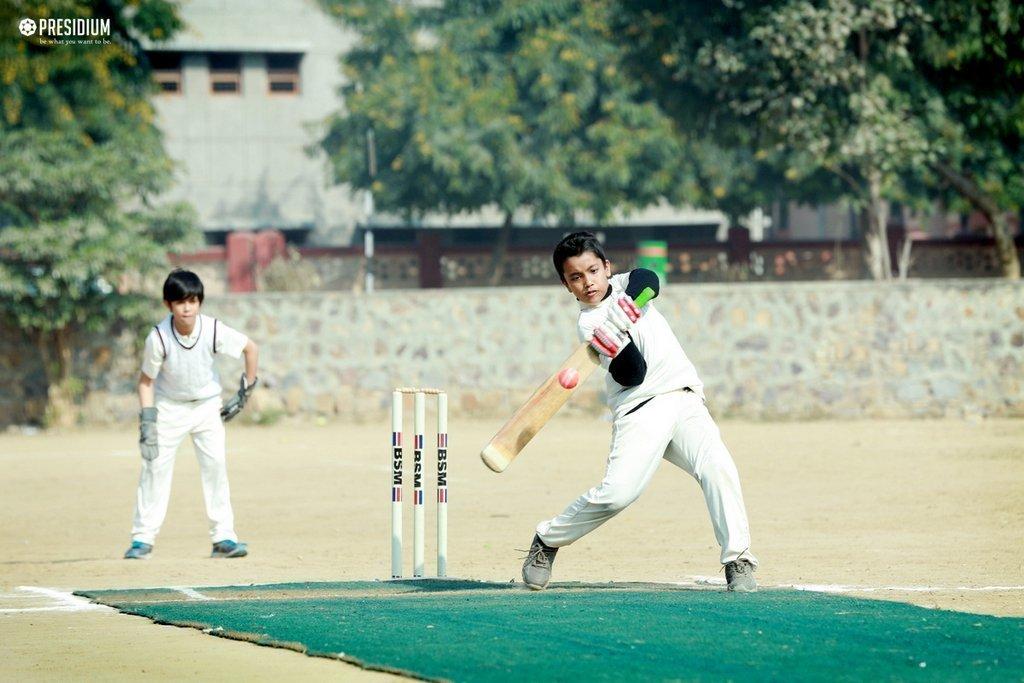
<point>640,279</point>
<point>629,367</point>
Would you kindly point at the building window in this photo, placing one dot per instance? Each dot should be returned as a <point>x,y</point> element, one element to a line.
<point>283,74</point>
<point>167,71</point>
<point>225,73</point>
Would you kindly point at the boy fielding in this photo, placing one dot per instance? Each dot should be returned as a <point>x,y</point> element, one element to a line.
<point>657,401</point>
<point>179,396</point>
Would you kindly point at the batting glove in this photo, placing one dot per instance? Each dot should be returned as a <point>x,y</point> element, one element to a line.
<point>608,340</point>
<point>235,404</point>
<point>147,433</point>
<point>623,313</point>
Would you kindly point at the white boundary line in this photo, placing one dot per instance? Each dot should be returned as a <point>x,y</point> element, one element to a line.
<point>841,588</point>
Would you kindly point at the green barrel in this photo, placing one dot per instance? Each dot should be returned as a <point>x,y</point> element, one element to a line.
<point>653,255</point>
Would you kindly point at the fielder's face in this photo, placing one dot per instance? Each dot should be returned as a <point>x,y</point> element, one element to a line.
<point>184,311</point>
<point>586,277</point>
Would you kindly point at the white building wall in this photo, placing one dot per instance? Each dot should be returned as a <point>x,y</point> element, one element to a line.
<point>242,157</point>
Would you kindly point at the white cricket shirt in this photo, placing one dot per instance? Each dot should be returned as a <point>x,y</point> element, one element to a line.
<point>183,366</point>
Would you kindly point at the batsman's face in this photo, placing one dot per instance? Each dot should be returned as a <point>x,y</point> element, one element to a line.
<point>586,277</point>
<point>184,311</point>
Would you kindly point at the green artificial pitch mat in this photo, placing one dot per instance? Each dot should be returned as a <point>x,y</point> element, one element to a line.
<point>476,631</point>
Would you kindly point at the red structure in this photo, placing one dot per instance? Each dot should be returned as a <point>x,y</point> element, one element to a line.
<point>269,245</point>
<point>248,253</point>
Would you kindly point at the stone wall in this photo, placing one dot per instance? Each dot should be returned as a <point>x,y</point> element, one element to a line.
<point>789,351</point>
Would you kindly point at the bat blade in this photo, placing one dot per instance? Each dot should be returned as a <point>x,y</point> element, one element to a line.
<point>538,409</point>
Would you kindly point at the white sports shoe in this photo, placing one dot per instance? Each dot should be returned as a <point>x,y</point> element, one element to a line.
<point>739,575</point>
<point>537,567</point>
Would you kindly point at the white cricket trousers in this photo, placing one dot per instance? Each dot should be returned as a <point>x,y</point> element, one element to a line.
<point>677,427</point>
<point>176,420</point>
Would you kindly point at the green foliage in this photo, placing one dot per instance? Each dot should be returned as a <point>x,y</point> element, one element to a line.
<point>825,87</point>
<point>81,167</point>
<point>833,83</point>
<point>972,55</point>
<point>900,99</point>
<point>734,104</point>
<point>731,163</point>
<point>518,104</point>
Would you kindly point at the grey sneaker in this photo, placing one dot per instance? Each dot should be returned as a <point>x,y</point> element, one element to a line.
<point>740,576</point>
<point>229,549</point>
<point>537,567</point>
<point>138,551</point>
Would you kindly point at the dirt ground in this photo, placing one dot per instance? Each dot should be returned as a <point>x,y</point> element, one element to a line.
<point>928,512</point>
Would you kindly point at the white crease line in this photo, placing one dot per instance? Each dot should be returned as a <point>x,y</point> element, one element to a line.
<point>61,608</point>
<point>191,593</point>
<point>897,589</point>
<point>840,588</point>
<point>67,601</point>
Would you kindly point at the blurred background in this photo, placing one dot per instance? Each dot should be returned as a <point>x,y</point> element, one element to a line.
<point>842,178</point>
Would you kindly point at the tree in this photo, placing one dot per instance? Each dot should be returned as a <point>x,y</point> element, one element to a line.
<point>972,55</point>
<point>899,99</point>
<point>81,166</point>
<point>520,105</point>
<point>734,165</point>
<point>833,84</point>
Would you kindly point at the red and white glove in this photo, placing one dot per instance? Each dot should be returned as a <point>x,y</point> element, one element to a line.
<point>609,340</point>
<point>623,313</point>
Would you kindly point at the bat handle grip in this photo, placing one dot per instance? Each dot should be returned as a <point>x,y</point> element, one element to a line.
<point>645,296</point>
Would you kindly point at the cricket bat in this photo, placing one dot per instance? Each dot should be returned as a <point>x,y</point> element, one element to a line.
<point>543,404</point>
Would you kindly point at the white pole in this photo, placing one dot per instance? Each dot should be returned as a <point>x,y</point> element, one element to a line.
<point>368,252</point>
<point>396,485</point>
<point>419,427</point>
<point>442,484</point>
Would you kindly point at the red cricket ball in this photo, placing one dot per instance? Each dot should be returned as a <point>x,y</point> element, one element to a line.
<point>569,378</point>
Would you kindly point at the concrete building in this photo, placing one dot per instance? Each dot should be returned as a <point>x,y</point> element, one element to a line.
<point>244,87</point>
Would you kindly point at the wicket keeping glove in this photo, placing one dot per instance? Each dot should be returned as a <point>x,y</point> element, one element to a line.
<point>147,434</point>
<point>623,313</point>
<point>235,404</point>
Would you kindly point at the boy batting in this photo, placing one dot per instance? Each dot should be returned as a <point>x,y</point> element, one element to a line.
<point>657,402</point>
<point>179,396</point>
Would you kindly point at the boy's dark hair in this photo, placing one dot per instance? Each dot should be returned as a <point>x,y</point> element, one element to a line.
<point>575,244</point>
<point>182,284</point>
